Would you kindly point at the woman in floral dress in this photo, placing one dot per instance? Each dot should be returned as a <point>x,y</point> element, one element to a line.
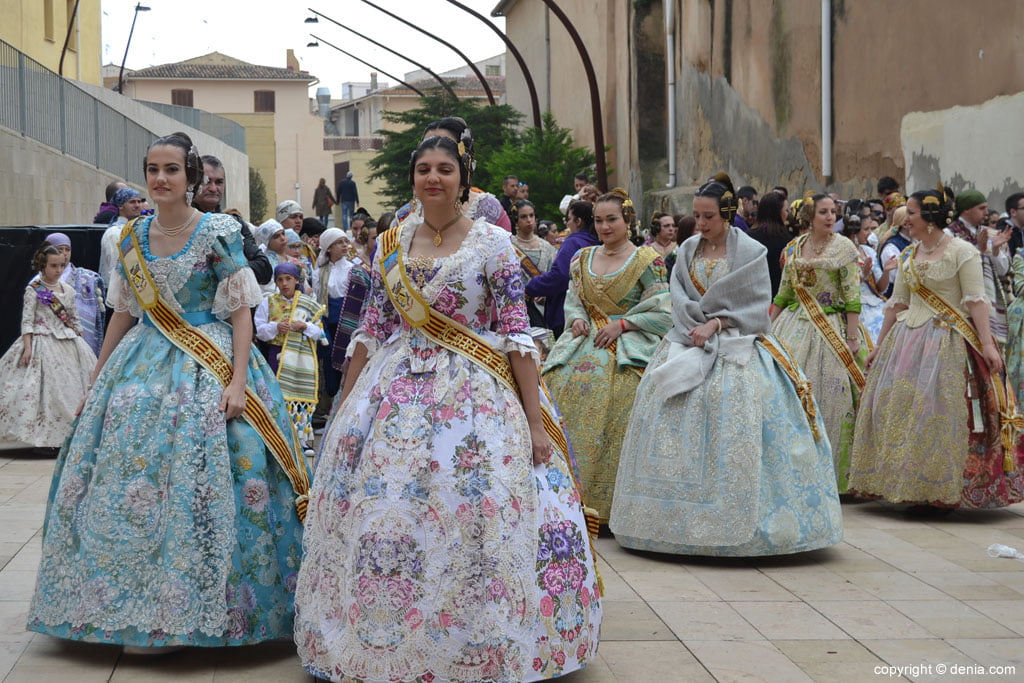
<point>445,539</point>
<point>45,373</point>
<point>169,523</point>
<point>617,310</point>
<point>831,351</point>
<point>930,427</point>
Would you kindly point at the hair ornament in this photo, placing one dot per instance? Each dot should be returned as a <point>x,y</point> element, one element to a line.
<point>627,203</point>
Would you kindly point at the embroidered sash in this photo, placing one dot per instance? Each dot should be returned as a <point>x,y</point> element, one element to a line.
<point>527,263</point>
<point>201,348</point>
<point>458,338</point>
<point>297,369</point>
<point>46,296</point>
<point>1011,423</point>
<point>599,295</point>
<point>814,311</point>
<point>802,386</point>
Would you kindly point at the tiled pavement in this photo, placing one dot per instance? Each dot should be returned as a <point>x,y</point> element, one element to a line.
<point>900,591</point>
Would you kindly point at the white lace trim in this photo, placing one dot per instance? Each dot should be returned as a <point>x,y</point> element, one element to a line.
<point>238,290</point>
<point>972,298</point>
<point>839,253</point>
<point>953,256</point>
<point>475,249</point>
<point>895,301</point>
<point>521,342</point>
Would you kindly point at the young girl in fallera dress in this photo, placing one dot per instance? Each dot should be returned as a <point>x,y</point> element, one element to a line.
<point>46,371</point>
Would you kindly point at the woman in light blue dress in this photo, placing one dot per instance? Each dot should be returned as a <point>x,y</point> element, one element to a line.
<point>169,523</point>
<point>724,454</point>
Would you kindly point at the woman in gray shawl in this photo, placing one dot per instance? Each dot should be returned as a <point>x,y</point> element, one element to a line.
<point>724,454</point>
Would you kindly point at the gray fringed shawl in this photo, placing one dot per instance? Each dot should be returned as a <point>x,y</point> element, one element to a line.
<point>741,298</point>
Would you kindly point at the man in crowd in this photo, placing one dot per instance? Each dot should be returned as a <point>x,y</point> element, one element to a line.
<point>510,188</point>
<point>348,197</point>
<point>972,212</point>
<point>1015,219</point>
<point>128,203</point>
<point>578,182</point>
<point>746,212</point>
<point>289,214</point>
<point>108,211</point>
<point>208,200</point>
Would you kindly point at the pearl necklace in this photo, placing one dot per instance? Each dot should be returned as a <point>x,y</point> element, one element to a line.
<point>178,229</point>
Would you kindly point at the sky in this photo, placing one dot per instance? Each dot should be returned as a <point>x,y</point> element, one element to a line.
<point>260,31</point>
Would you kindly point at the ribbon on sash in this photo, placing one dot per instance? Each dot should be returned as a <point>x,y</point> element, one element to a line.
<point>817,315</point>
<point>463,341</point>
<point>1011,423</point>
<point>46,296</point>
<point>201,348</point>
<point>527,263</point>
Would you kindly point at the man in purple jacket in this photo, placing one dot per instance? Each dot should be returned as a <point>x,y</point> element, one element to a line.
<point>554,284</point>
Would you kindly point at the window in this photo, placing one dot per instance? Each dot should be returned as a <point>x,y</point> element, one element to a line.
<point>48,19</point>
<point>182,98</point>
<point>492,70</point>
<point>263,100</point>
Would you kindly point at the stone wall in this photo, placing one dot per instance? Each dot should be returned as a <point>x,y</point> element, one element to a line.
<point>976,147</point>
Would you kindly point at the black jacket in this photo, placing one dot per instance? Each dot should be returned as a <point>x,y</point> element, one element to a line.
<point>258,261</point>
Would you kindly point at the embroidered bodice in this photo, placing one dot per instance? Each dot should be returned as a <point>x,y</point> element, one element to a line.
<point>210,273</point>
<point>956,276</point>
<point>833,278</point>
<point>39,318</point>
<point>479,286</point>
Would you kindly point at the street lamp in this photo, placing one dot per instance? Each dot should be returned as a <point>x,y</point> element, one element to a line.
<point>139,7</point>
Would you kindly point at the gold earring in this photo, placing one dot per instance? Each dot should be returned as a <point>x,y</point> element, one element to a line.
<point>458,205</point>
<point>931,228</point>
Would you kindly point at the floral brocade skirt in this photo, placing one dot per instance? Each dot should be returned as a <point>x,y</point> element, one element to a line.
<point>434,549</point>
<point>836,394</point>
<point>928,431</point>
<point>38,400</point>
<point>165,525</point>
<point>595,395</point>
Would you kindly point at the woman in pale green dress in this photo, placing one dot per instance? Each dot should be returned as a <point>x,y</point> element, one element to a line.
<point>724,455</point>
<point>618,310</point>
<point>824,266</point>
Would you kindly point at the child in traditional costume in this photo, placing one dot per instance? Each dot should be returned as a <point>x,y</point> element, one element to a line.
<point>45,373</point>
<point>289,322</point>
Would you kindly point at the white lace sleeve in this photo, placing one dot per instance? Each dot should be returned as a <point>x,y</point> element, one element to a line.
<point>120,296</point>
<point>238,290</point>
<point>518,341</point>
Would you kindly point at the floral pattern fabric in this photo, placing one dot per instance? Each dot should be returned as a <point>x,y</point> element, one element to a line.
<point>38,401</point>
<point>434,549</point>
<point>165,525</point>
<point>925,432</point>
<point>729,469</point>
<point>833,279</point>
<point>594,387</point>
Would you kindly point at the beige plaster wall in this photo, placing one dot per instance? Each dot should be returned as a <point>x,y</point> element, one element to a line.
<point>369,199</point>
<point>22,25</point>
<point>298,161</point>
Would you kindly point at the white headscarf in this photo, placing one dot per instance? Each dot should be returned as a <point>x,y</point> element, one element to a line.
<point>327,238</point>
<point>266,231</point>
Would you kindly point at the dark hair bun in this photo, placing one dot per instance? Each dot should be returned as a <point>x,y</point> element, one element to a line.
<point>934,208</point>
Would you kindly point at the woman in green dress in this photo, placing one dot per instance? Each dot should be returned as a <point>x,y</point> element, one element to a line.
<point>618,310</point>
<point>816,314</point>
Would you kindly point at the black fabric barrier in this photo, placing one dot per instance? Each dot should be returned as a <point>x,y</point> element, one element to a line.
<point>17,244</point>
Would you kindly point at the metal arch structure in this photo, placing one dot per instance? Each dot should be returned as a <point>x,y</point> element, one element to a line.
<point>362,61</point>
<point>444,83</point>
<point>460,53</point>
<point>534,101</point>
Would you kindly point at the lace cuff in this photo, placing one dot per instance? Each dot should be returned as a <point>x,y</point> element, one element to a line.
<point>119,296</point>
<point>521,342</point>
<point>364,338</point>
<point>895,301</point>
<point>972,298</point>
<point>238,290</point>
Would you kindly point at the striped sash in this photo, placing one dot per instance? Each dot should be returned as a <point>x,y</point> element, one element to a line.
<point>201,348</point>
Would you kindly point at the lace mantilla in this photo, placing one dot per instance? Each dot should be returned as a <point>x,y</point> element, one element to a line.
<point>480,242</point>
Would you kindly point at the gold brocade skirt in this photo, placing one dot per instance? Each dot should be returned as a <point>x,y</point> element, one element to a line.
<point>595,396</point>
